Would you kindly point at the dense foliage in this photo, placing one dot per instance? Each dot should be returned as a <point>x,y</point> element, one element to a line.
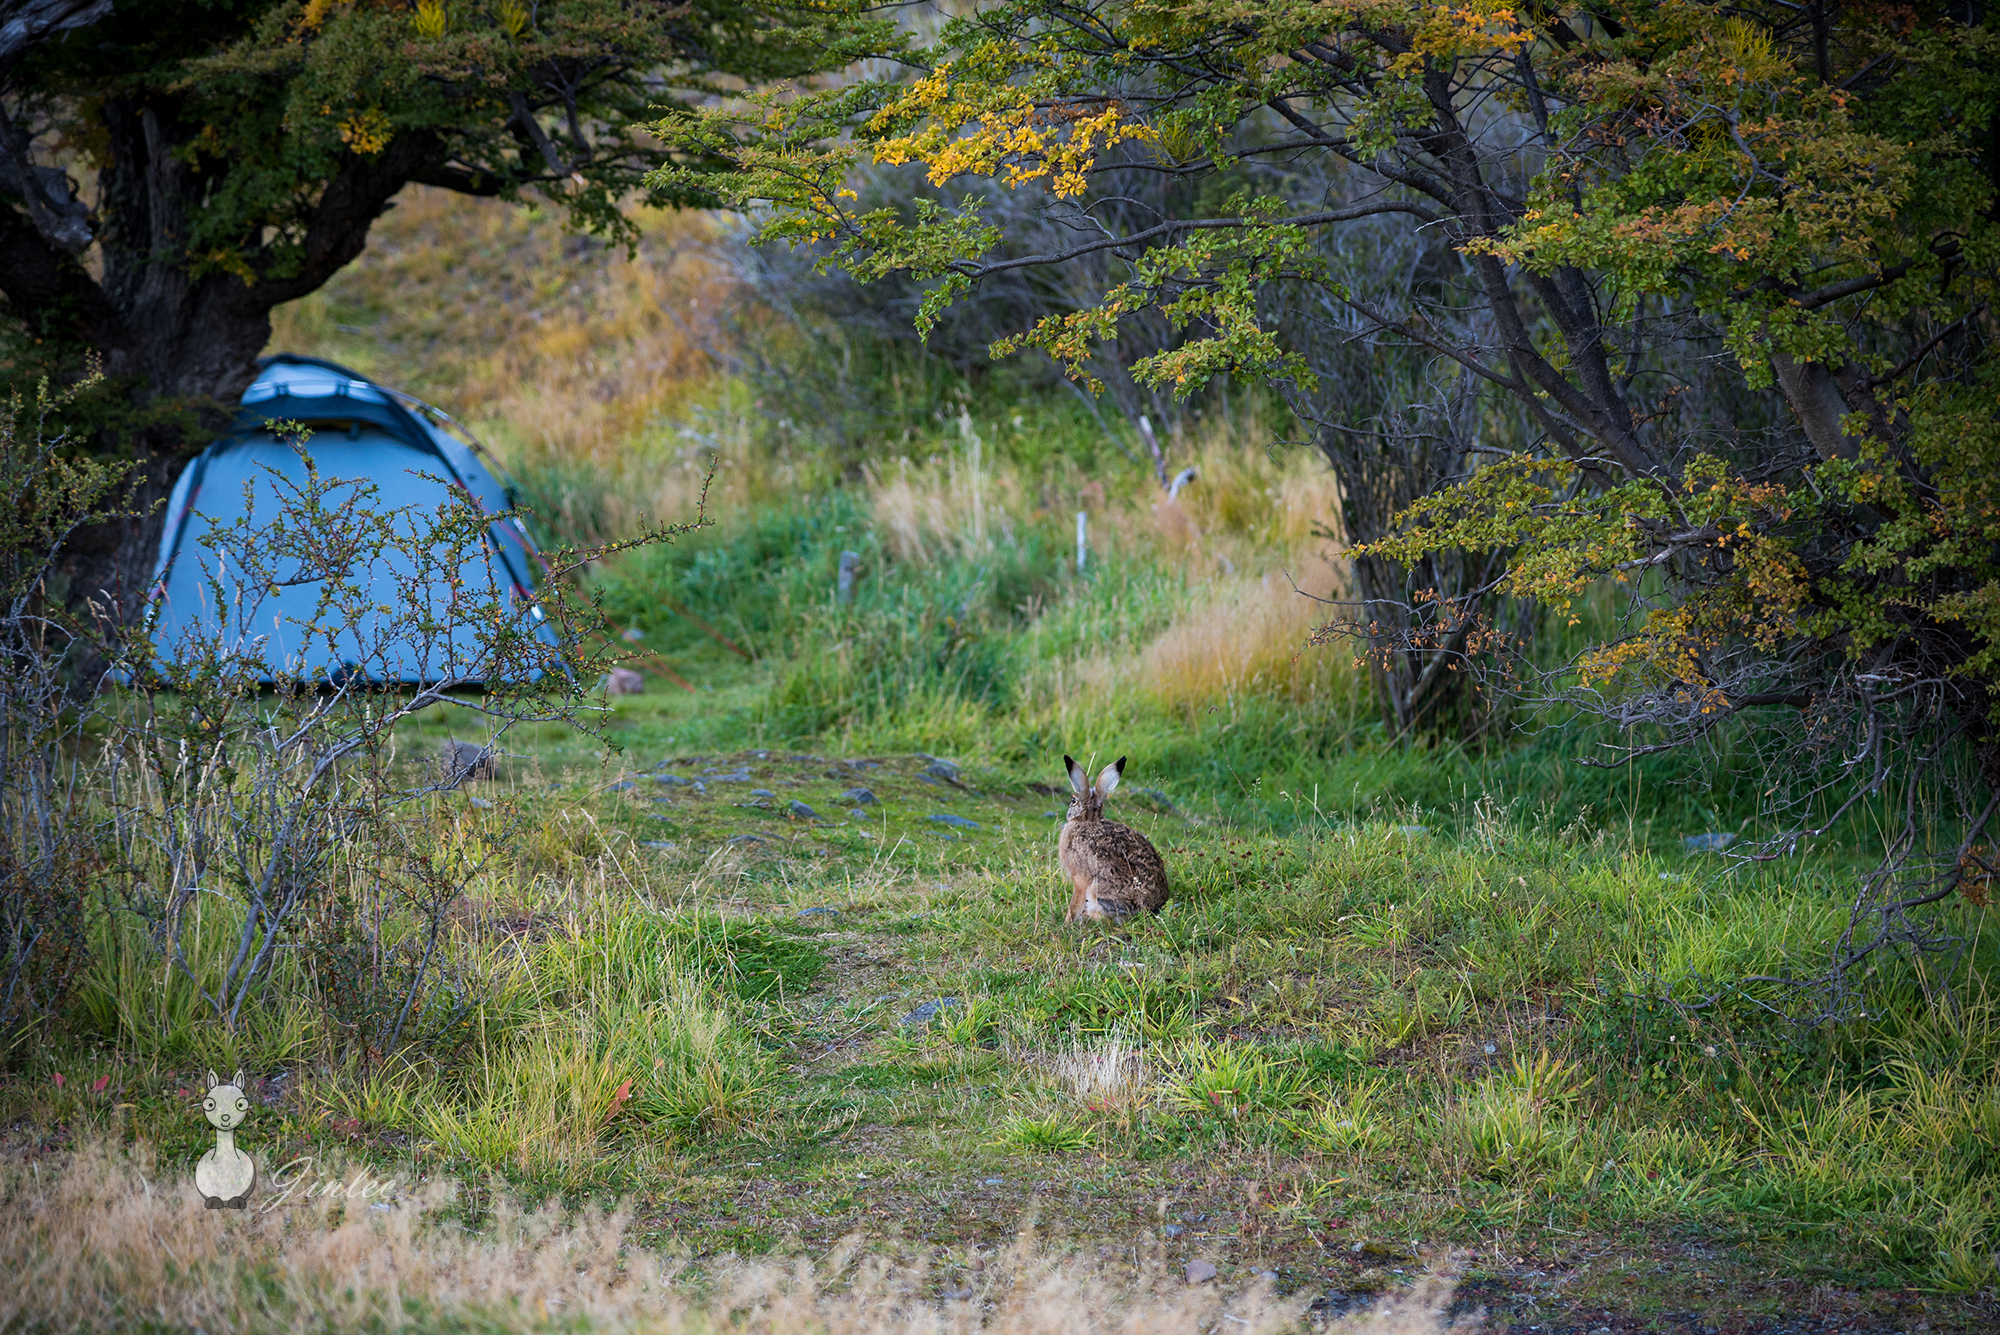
<point>1702,297</point>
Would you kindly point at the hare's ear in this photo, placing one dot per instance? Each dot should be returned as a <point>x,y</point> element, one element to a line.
<point>1109,779</point>
<point>237,1079</point>
<point>212,1081</point>
<point>1078,780</point>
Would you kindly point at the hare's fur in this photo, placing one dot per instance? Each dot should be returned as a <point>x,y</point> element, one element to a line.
<point>1115,870</point>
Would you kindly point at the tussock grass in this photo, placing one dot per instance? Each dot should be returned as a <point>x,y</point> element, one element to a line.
<point>1245,635</point>
<point>1111,1075</point>
<point>633,1048</point>
<point>105,1240</point>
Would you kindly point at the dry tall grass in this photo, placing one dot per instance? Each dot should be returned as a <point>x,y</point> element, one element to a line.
<point>952,504</point>
<point>555,349</point>
<point>1244,633</point>
<point>1109,1075</point>
<point>557,343</point>
<point>106,1241</point>
<point>593,368</point>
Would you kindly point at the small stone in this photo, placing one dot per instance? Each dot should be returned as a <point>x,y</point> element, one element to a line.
<point>817,912</point>
<point>665,845</point>
<point>671,780</point>
<point>1490,1049</point>
<point>1172,1231</point>
<point>939,769</point>
<point>1200,1272</point>
<point>622,786</point>
<point>958,1295</point>
<point>748,839</point>
<point>801,811</point>
<point>859,797</point>
<point>762,792</point>
<point>1413,831</point>
<point>992,1181</point>
<point>632,635</point>
<point>957,822</point>
<point>930,1010</point>
<point>467,760</point>
<point>623,681</point>
<point>1384,1251</point>
<point>480,803</point>
<point>859,814</point>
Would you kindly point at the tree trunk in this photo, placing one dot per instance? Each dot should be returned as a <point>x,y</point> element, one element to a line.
<point>1415,625</point>
<point>179,350</point>
<point>179,343</point>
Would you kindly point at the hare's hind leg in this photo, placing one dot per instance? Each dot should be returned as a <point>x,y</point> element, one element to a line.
<point>1081,904</point>
<point>1098,902</point>
<point>1088,904</point>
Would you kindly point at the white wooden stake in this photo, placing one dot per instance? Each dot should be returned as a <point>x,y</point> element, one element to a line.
<point>1082,541</point>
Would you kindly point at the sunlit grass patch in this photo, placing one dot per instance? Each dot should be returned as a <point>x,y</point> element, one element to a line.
<point>1352,1120</point>
<point>1232,1081</point>
<point>1042,1135</point>
<point>1518,1123</point>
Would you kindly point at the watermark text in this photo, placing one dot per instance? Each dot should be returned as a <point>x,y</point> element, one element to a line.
<point>303,1180</point>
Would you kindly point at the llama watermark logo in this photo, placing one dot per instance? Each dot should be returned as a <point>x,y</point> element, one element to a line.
<point>225,1174</point>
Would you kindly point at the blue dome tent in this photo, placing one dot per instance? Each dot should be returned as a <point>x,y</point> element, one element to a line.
<point>360,431</point>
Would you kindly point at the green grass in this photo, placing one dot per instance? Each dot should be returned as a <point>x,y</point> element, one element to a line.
<point>1437,998</point>
<point>1538,1029</point>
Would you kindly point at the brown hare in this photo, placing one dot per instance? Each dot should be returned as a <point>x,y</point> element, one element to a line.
<point>1115,871</point>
